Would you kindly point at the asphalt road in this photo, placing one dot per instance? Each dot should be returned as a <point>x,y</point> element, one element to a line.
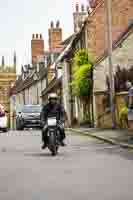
<point>86,169</point>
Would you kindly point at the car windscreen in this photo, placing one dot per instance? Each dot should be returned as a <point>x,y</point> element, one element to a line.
<point>31,109</point>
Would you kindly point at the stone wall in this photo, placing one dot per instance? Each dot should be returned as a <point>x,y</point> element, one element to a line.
<point>103,118</point>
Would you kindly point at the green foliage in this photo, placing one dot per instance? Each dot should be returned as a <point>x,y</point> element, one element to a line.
<point>123,117</point>
<point>87,116</point>
<point>82,80</point>
<point>80,58</point>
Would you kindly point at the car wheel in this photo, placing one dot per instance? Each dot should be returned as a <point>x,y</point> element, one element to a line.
<point>22,128</point>
<point>5,130</point>
<point>19,127</point>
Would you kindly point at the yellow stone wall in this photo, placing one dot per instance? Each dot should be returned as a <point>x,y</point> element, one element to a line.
<point>6,81</point>
<point>105,120</point>
<point>51,73</point>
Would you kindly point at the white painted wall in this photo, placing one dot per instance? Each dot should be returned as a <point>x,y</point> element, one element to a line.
<point>39,92</point>
<point>43,84</point>
<point>27,96</point>
<point>66,91</point>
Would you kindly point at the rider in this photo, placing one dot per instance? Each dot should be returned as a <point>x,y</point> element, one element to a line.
<point>53,109</point>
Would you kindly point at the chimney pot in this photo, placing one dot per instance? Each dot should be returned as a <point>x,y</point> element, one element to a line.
<point>41,36</point>
<point>36,36</point>
<point>93,3</point>
<point>33,36</point>
<point>77,7</point>
<point>58,24</point>
<point>52,24</point>
<point>82,8</point>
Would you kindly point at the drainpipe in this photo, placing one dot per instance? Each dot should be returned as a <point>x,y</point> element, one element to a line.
<point>71,98</point>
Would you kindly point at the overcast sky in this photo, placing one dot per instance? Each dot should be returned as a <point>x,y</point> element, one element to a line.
<point>20,18</point>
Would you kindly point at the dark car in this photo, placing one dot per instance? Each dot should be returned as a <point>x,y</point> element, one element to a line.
<point>29,117</point>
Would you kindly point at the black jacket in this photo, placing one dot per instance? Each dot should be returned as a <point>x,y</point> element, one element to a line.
<point>55,110</point>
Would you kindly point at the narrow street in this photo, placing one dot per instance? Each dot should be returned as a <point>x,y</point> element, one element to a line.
<point>84,169</point>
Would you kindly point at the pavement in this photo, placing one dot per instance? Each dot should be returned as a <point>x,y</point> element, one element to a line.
<point>121,137</point>
<point>85,169</point>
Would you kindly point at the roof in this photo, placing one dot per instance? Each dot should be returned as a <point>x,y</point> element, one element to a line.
<point>67,40</point>
<point>55,82</point>
<point>117,42</point>
<point>67,49</point>
<point>21,84</point>
<point>71,41</point>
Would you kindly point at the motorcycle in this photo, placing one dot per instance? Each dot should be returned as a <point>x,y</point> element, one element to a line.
<point>53,135</point>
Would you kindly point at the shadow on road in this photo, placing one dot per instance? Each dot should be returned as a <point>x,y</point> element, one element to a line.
<point>116,150</point>
<point>47,154</point>
<point>38,154</point>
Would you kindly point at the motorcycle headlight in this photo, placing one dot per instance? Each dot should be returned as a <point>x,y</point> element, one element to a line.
<point>19,115</point>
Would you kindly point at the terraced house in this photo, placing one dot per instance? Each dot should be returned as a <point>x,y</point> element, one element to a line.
<point>34,77</point>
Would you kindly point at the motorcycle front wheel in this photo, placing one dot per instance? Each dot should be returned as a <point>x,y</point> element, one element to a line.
<point>52,145</point>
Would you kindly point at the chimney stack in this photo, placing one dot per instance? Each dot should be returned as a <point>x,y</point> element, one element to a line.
<point>79,17</point>
<point>55,35</point>
<point>37,47</point>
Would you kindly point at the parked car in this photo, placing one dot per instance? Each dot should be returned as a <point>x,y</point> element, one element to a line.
<point>3,119</point>
<point>29,117</point>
